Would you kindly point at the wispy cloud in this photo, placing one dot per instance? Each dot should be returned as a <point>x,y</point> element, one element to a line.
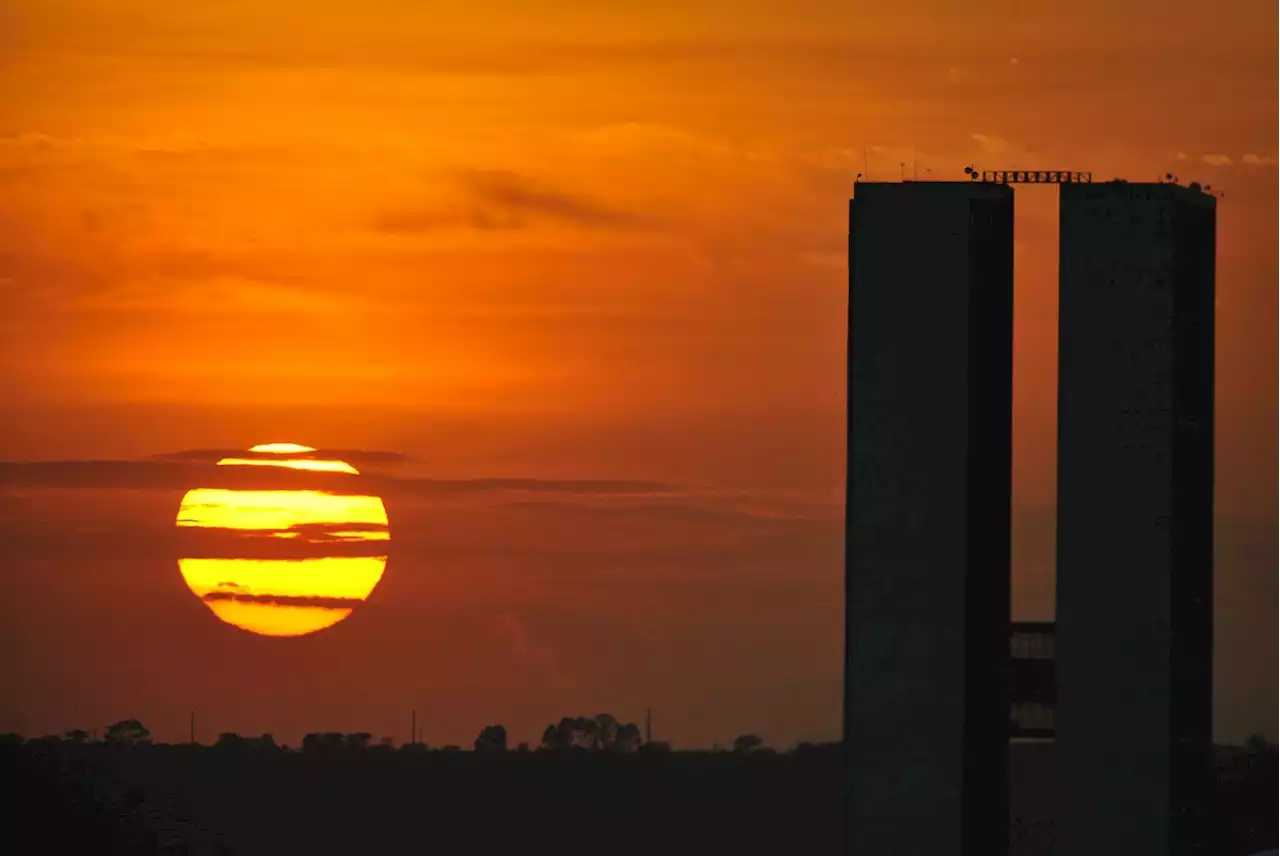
<point>351,456</point>
<point>531,655</point>
<point>991,144</point>
<point>186,473</point>
<point>501,199</point>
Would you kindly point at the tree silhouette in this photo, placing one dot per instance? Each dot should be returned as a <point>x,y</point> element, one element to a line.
<point>128,732</point>
<point>572,732</point>
<point>230,741</point>
<point>627,739</point>
<point>602,732</point>
<point>745,743</point>
<point>329,741</point>
<point>492,738</point>
<point>77,735</point>
<point>606,730</point>
<point>359,740</point>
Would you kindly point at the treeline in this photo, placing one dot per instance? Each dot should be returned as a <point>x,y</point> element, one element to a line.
<point>590,785</point>
<point>600,733</point>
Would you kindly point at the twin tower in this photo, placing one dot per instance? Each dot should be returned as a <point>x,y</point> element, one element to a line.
<point>926,709</point>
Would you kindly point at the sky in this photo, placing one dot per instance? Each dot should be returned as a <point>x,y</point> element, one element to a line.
<point>577,244</point>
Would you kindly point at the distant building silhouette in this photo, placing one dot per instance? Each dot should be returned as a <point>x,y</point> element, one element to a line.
<point>1135,506</point>
<point>1033,682</point>
<point>926,712</point>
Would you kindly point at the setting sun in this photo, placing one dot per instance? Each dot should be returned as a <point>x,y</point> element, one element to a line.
<point>274,596</point>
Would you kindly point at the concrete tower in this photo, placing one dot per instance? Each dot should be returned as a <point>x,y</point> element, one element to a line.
<point>926,714</point>
<point>1135,516</point>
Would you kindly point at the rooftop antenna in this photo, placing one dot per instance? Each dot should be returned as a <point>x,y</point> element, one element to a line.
<point>902,168</point>
<point>866,163</point>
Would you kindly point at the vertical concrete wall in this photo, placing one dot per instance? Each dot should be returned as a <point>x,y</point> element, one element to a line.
<point>927,561</point>
<point>1134,585</point>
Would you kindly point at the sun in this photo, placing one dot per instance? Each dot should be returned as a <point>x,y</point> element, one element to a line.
<point>283,562</point>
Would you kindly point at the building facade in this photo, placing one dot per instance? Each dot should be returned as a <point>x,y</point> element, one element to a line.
<point>926,710</point>
<point>1135,506</point>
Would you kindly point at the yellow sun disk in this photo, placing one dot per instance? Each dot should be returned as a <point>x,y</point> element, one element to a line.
<point>346,577</point>
<point>276,509</point>
<point>293,464</point>
<point>323,590</point>
<point>269,619</point>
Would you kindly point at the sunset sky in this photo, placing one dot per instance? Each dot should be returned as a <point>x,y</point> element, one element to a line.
<point>578,243</point>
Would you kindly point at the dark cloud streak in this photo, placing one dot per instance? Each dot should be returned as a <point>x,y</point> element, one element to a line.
<point>503,200</point>
<point>284,600</point>
<point>181,475</point>
<point>351,456</point>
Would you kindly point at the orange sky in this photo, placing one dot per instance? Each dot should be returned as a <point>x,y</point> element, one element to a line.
<point>588,240</point>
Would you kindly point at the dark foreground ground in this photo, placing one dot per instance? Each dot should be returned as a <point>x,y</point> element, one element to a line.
<point>97,799</point>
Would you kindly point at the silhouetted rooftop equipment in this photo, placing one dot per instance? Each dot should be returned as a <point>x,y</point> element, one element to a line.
<point>1022,176</point>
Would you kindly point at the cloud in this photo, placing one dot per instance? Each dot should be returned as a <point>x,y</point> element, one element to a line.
<point>991,144</point>
<point>657,512</point>
<point>351,456</point>
<point>502,200</point>
<point>528,653</point>
<point>1258,160</point>
<point>284,600</point>
<point>412,222</point>
<point>1217,160</point>
<point>514,193</point>
<point>181,475</point>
